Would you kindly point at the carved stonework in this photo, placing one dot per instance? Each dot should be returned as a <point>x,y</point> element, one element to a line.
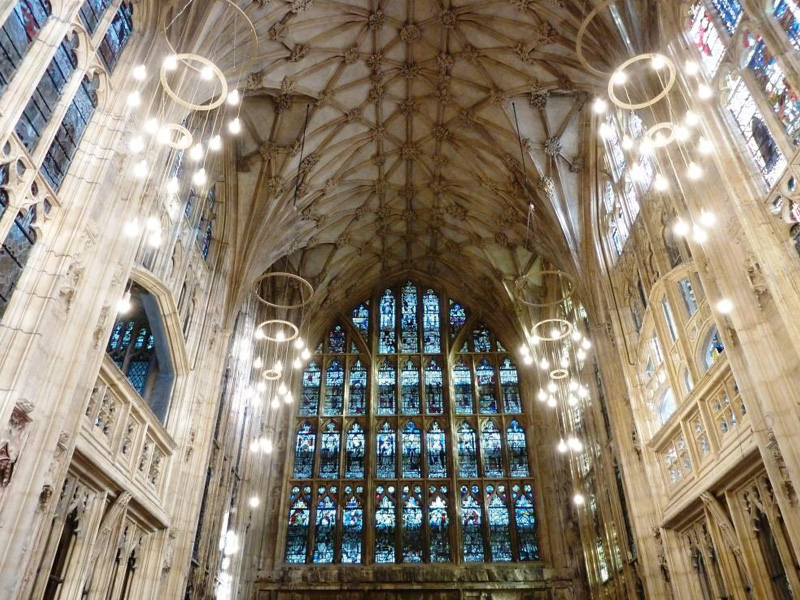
<point>776,457</point>
<point>757,280</point>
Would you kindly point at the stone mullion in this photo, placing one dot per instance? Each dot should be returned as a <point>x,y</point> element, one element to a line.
<point>448,393</point>
<point>788,559</point>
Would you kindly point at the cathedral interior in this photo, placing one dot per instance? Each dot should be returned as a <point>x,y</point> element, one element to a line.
<point>399,299</point>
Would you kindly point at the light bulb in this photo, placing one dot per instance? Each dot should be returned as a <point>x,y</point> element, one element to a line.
<point>275,402</point>
<point>152,223</point>
<point>580,354</point>
<point>524,350</point>
<point>134,99</point>
<point>694,171</point>
<point>282,389</point>
<point>681,133</point>
<point>233,97</point>
<point>573,385</point>
<point>691,118</point>
<point>139,72</point>
<point>707,218</point>
<point>680,228</point>
<point>266,444</point>
<point>583,392</point>
<point>562,446</point>
<point>555,333</point>
<point>124,304</point>
<point>552,387</point>
<point>173,185</point>
<point>606,131</point>
<point>704,146</point>
<point>261,387</point>
<point>254,447</point>
<point>535,340</point>
<point>151,125</point>
<point>704,92</point>
<point>659,140</point>
<point>699,234</point>
<point>619,78</point>
<point>586,344</point>
<point>578,447</point>
<point>297,363</point>
<point>280,336</point>
<point>542,395</point>
<point>288,398</point>
<point>658,61</point>
<point>305,354</point>
<point>578,499</point>
<point>638,173</point>
<point>200,177</point>
<point>576,335</point>
<point>254,502</point>
<point>171,62</point>
<point>543,364</point>
<point>215,143</point>
<point>691,67</point>
<point>258,362</point>
<point>527,359</point>
<point>299,344</point>
<point>646,147</point>
<point>661,183</point>
<point>260,335</point>
<point>278,366</point>
<point>140,170</point>
<point>572,400</point>
<point>131,228</point>
<point>724,306</point>
<point>599,106</point>
<point>196,152</point>
<point>564,362</point>
<point>207,73</point>
<point>627,142</point>
<point>155,239</point>
<point>551,402</point>
<point>136,144</point>
<point>163,136</point>
<point>235,126</point>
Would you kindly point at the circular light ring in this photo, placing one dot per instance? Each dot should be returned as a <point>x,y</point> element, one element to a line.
<point>271,374</point>
<point>184,141</point>
<point>564,325</point>
<point>660,127</point>
<point>658,97</point>
<point>303,284</point>
<point>282,322</point>
<point>558,374</point>
<point>190,57</point>
<point>562,276</point>
<point>582,32</point>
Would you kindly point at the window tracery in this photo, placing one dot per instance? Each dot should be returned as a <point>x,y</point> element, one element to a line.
<point>18,33</point>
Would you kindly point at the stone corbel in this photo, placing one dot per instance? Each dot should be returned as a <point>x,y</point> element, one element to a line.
<point>720,518</point>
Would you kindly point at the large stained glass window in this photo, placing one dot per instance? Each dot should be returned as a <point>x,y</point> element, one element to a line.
<point>17,34</point>
<point>705,37</point>
<point>116,38</point>
<point>730,13</point>
<point>424,436</point>
<point>787,12</point>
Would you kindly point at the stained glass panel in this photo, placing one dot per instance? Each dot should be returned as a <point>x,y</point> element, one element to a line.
<point>329,452</point>
<point>310,395</point>
<point>387,344</point>
<point>509,385</point>
<point>436,447</point>
<point>467,451</point>
<point>412,451</point>
<point>20,29</point>
<point>337,340</point>
<point>462,386</point>
<point>472,537</point>
<point>525,518</point>
<point>409,389</point>
<point>325,526</point>
<point>705,37</point>
<point>91,12</point>
<point>334,389</point>
<point>352,526</point>
<point>357,404</point>
<point>439,525</point>
<point>499,523</point>
<point>409,328</point>
<point>304,451</point>
<point>492,445</point>
<point>518,450</point>
<point>386,452</point>
<point>787,12</point>
<point>487,393</point>
<point>481,339</point>
<point>431,325</point>
<point>458,316</point>
<point>360,317</point>
<point>412,524</point>
<point>387,378</point>
<point>385,525</point>
<point>434,397</point>
<point>297,531</point>
<point>730,13</point>
<point>116,38</point>
<point>354,452</point>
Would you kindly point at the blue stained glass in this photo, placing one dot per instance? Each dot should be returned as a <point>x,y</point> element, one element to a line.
<point>462,386</point>
<point>187,211</point>
<point>436,447</point>
<point>525,518</point>
<point>434,397</point>
<point>509,385</point>
<point>409,389</point>
<point>387,378</point>
<point>325,526</point>
<point>116,38</point>
<point>387,344</point>
<point>409,328</point>
<point>518,450</point>
<point>357,403</point>
<point>481,339</point>
<point>352,526</point>
<point>304,451</point>
<point>360,317</point>
<point>492,446</point>
<point>458,316</point>
<point>334,389</point>
<point>329,452</point>
<point>385,525</point>
<point>14,254</point>
<point>297,531</point>
<point>311,380</point>
<point>91,12</point>
<point>487,392</point>
<point>439,525</point>
<point>354,452</point>
<point>386,451</point>
<point>337,340</point>
<point>472,537</point>
<point>412,451</point>
<point>499,523</point>
<point>467,451</point>
<point>412,525</point>
<point>787,12</point>
<point>431,325</point>
<point>22,27</point>
<point>705,37</point>
<point>730,12</point>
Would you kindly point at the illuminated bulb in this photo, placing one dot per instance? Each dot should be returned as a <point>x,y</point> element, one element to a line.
<point>136,144</point>
<point>280,336</point>
<point>299,344</point>
<point>578,499</point>
<point>572,400</point>
<point>173,185</point>
<point>305,354</point>
<point>140,170</point>
<point>152,224</point>
<point>131,228</point>
<point>542,395</point>
<point>288,399</point>
<point>694,171</point>
<point>163,136</point>
<point>275,402</point>
<point>215,143</point>
<point>196,152</point>
<point>200,177</point>
<point>543,364</point>
<point>583,392</point>
<point>572,442</point>
<point>551,402</point>
<point>691,118</point>
<point>155,239</point>
<point>606,131</point>
<point>173,209</point>
<point>707,218</point>
<point>661,183</point>
<point>619,78</point>
<point>282,389</point>
<point>261,387</point>
<point>638,173</point>
<point>627,143</point>
<point>646,146</point>
<point>680,228</point>
<point>535,340</point>
<point>658,62</point>
<point>207,73</point>
<point>171,62</point>
<point>577,446</point>
<point>555,333</point>
<point>704,92</point>
<point>260,335</point>
<point>233,97</point>
<point>564,362</point>
<point>691,67</point>
<point>527,359</point>
<point>278,366</point>
<point>682,133</point>
<point>552,387</point>
<point>599,106</point>
<point>134,99</point>
<point>139,72</point>
<point>573,385</point>
<point>266,444</point>
<point>254,446</point>
<point>704,146</point>
<point>586,344</point>
<point>576,335</point>
<point>724,306</point>
<point>580,354</point>
<point>659,140</point>
<point>562,446</point>
<point>297,363</point>
<point>235,126</point>
<point>699,234</point>
<point>258,363</point>
<point>524,350</point>
<point>254,502</point>
<point>151,125</point>
<point>124,304</point>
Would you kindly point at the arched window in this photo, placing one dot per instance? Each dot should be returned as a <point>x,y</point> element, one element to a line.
<point>666,406</point>
<point>91,12</point>
<point>299,518</point>
<point>787,13</point>
<point>712,349</point>
<point>404,435</point>
<point>116,37</point>
<point>706,39</point>
<point>18,33</point>
<point>205,229</point>
<point>17,246</point>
